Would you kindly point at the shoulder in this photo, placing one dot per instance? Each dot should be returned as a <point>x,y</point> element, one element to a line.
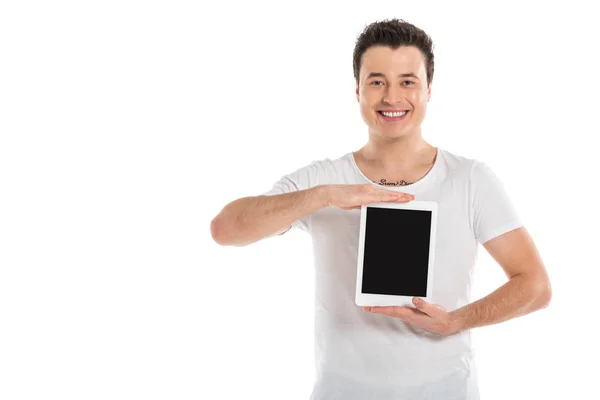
<point>319,171</point>
<point>479,177</point>
<point>458,165</point>
<point>469,170</point>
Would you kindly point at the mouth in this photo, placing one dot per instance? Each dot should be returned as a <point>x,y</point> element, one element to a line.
<point>394,116</point>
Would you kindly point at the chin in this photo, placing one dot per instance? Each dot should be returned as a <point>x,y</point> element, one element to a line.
<point>393,135</point>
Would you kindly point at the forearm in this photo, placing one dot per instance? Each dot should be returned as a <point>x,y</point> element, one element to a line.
<point>250,219</point>
<point>521,295</point>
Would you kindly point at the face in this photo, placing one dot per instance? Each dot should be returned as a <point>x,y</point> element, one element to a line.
<point>395,81</point>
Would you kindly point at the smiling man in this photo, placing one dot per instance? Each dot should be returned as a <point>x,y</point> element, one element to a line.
<point>420,352</point>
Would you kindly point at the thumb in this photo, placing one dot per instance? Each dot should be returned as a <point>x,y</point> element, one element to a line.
<point>430,309</point>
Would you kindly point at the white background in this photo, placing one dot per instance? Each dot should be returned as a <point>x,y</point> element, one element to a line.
<point>126,127</point>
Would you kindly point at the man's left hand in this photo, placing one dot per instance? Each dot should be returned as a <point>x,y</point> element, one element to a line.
<point>428,316</point>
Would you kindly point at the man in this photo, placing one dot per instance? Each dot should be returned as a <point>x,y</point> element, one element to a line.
<point>420,352</point>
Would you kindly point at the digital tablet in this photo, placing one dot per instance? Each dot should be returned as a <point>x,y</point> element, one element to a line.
<point>396,253</point>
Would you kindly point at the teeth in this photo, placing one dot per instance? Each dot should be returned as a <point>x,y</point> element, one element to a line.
<point>393,114</point>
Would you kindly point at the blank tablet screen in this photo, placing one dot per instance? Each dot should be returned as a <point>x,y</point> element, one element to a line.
<point>396,252</point>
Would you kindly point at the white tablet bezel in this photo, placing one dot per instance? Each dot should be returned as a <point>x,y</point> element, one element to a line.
<point>369,299</point>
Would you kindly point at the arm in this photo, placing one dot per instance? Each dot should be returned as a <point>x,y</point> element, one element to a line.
<point>528,288</point>
<point>250,219</point>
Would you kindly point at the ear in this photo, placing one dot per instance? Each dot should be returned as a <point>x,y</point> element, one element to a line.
<point>357,93</point>
<point>429,92</point>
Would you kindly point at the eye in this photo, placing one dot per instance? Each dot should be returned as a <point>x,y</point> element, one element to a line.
<point>409,83</point>
<point>372,83</point>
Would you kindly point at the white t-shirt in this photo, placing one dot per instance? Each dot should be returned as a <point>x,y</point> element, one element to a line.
<point>361,355</point>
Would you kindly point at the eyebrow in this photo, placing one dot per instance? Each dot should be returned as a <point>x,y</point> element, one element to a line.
<point>379,74</point>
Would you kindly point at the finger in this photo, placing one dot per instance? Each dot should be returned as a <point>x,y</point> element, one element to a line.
<point>389,196</point>
<point>430,309</point>
<point>396,311</point>
<point>405,196</point>
<point>408,315</point>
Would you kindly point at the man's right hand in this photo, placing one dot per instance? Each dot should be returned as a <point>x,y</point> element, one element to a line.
<point>249,219</point>
<point>350,197</point>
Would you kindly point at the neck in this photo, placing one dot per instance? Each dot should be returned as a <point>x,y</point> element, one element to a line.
<point>397,154</point>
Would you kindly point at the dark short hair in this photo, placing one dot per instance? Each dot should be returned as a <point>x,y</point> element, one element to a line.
<point>394,33</point>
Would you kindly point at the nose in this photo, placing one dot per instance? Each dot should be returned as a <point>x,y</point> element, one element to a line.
<point>392,94</point>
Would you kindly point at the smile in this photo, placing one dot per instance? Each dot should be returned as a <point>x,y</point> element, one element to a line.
<point>392,116</point>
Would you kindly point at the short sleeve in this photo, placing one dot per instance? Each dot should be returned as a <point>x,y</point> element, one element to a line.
<point>492,211</point>
<point>301,179</point>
